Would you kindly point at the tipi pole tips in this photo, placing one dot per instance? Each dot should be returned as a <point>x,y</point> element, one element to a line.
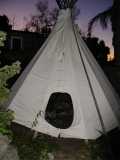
<point>64,4</point>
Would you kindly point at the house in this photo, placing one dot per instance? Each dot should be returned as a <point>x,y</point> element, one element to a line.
<point>22,46</point>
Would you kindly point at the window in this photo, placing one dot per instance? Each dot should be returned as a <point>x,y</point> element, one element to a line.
<point>16,43</point>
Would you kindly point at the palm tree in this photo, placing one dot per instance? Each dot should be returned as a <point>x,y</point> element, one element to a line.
<point>112,14</point>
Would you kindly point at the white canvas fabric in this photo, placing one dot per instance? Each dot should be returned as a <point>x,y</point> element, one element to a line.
<point>61,66</point>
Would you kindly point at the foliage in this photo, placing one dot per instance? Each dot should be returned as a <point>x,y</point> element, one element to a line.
<point>100,149</point>
<point>35,149</point>
<point>98,48</point>
<point>110,15</point>
<point>2,38</point>
<point>5,121</point>
<point>5,23</point>
<point>6,73</point>
<point>103,17</point>
<point>46,18</point>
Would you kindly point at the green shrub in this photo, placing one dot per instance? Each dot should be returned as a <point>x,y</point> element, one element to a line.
<point>34,149</point>
<point>6,73</point>
<point>2,38</point>
<point>5,121</point>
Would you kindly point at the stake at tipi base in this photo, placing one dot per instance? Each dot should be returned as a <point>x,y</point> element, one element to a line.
<point>35,134</point>
<point>64,76</point>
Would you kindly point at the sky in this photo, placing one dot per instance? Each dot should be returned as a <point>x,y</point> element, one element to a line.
<point>19,9</point>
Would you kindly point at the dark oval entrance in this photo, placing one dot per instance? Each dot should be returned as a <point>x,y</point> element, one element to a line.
<point>59,111</point>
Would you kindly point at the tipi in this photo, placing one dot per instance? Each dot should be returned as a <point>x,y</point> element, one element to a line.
<point>64,64</point>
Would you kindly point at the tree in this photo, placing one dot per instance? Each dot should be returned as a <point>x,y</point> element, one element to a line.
<point>98,48</point>
<point>46,18</point>
<point>112,14</point>
<point>5,23</point>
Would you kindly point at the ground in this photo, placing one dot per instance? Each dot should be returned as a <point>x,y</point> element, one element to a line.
<point>72,150</point>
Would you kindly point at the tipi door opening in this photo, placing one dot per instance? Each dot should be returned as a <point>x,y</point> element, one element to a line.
<point>59,111</point>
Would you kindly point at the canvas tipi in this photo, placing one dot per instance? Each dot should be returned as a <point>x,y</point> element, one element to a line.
<point>64,65</point>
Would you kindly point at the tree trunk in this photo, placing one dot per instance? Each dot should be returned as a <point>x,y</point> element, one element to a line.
<point>115,19</point>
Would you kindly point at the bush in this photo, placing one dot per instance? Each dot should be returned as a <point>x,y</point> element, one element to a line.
<point>6,73</point>
<point>34,149</point>
<point>5,121</point>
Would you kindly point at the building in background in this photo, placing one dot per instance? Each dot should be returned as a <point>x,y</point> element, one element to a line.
<point>22,46</point>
